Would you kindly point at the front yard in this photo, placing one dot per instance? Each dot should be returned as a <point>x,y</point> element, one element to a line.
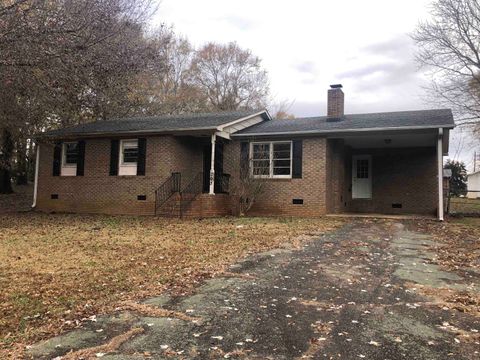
<point>56,270</point>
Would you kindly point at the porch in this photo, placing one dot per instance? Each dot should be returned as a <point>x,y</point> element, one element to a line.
<point>390,173</point>
<point>200,189</point>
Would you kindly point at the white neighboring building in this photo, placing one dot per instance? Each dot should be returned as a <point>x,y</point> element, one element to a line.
<point>473,185</point>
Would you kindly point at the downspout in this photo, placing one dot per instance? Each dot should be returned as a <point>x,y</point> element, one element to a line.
<point>440,173</point>
<point>35,184</point>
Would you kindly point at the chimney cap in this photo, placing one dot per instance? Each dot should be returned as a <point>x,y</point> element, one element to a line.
<point>336,86</point>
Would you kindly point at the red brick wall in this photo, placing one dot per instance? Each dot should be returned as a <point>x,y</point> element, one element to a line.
<point>337,191</point>
<point>206,205</point>
<point>406,176</point>
<point>278,194</point>
<point>97,192</point>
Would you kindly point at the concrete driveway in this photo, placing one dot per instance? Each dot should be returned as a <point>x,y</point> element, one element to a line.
<point>351,294</point>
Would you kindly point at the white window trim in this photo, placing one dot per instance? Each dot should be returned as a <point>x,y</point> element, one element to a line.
<point>67,169</point>
<point>271,175</point>
<point>120,161</point>
<point>126,169</point>
<point>64,155</point>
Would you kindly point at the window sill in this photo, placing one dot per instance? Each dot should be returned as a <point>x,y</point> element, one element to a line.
<point>274,179</point>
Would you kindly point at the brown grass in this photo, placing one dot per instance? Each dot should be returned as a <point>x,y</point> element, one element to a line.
<point>457,241</point>
<point>56,270</point>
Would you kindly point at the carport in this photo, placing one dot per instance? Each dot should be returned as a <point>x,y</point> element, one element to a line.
<point>387,172</point>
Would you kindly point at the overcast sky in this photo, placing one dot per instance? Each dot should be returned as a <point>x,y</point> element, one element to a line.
<point>306,45</point>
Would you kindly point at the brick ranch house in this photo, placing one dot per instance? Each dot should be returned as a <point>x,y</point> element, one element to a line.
<point>388,163</point>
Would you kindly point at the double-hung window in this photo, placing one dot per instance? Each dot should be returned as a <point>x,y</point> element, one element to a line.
<point>70,154</point>
<point>271,159</point>
<point>128,157</point>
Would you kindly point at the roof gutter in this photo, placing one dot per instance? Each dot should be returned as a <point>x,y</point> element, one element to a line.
<point>122,133</point>
<point>343,131</point>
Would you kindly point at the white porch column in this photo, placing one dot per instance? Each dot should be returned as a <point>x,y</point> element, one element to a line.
<point>212,167</point>
<point>440,173</point>
<point>35,184</point>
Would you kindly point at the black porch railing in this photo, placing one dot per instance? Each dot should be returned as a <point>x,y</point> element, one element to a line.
<point>170,186</point>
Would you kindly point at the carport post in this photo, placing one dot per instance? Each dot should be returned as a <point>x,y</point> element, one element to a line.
<point>440,173</point>
<point>212,167</point>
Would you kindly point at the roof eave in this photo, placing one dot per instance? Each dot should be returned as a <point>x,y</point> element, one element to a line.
<point>223,126</point>
<point>343,131</point>
<point>125,133</point>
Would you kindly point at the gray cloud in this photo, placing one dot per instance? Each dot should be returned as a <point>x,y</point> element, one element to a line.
<point>305,67</point>
<point>381,75</point>
<point>396,46</point>
<point>395,65</point>
<point>241,23</point>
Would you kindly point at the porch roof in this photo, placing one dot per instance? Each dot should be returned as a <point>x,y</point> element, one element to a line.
<point>403,120</point>
<point>155,124</point>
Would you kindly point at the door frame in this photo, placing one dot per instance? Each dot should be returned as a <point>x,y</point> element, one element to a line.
<point>354,177</point>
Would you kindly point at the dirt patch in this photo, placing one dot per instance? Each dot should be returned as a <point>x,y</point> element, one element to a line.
<point>99,351</point>
<point>154,311</point>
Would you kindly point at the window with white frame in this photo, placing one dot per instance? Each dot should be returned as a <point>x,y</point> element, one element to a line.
<point>70,153</point>
<point>129,152</point>
<point>271,159</point>
<point>128,157</point>
<point>69,158</point>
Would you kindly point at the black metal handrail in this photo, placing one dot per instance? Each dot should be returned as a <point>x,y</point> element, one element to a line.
<point>190,192</point>
<point>169,187</point>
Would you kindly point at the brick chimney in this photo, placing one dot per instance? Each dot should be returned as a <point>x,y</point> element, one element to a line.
<point>336,102</point>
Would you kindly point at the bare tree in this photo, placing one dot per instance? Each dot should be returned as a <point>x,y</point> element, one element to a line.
<point>449,47</point>
<point>166,86</point>
<point>281,109</point>
<point>251,181</point>
<point>231,77</point>
<point>67,61</point>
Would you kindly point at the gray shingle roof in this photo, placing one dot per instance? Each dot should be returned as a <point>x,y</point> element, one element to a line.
<point>353,122</point>
<point>153,124</point>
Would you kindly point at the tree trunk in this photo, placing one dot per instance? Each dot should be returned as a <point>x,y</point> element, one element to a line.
<point>6,151</point>
<point>21,168</point>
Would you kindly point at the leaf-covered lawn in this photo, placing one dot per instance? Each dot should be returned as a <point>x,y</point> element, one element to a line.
<point>58,269</point>
<point>464,205</point>
<point>457,242</point>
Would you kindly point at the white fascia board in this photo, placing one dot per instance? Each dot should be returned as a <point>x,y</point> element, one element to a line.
<point>223,134</point>
<point>343,131</point>
<point>223,126</point>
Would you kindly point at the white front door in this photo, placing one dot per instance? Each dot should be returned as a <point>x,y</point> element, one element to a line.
<point>362,177</point>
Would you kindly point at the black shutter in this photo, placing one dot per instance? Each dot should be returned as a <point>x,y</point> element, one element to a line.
<point>81,158</point>
<point>57,158</point>
<point>142,152</point>
<point>244,168</point>
<point>114,153</point>
<point>297,159</point>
